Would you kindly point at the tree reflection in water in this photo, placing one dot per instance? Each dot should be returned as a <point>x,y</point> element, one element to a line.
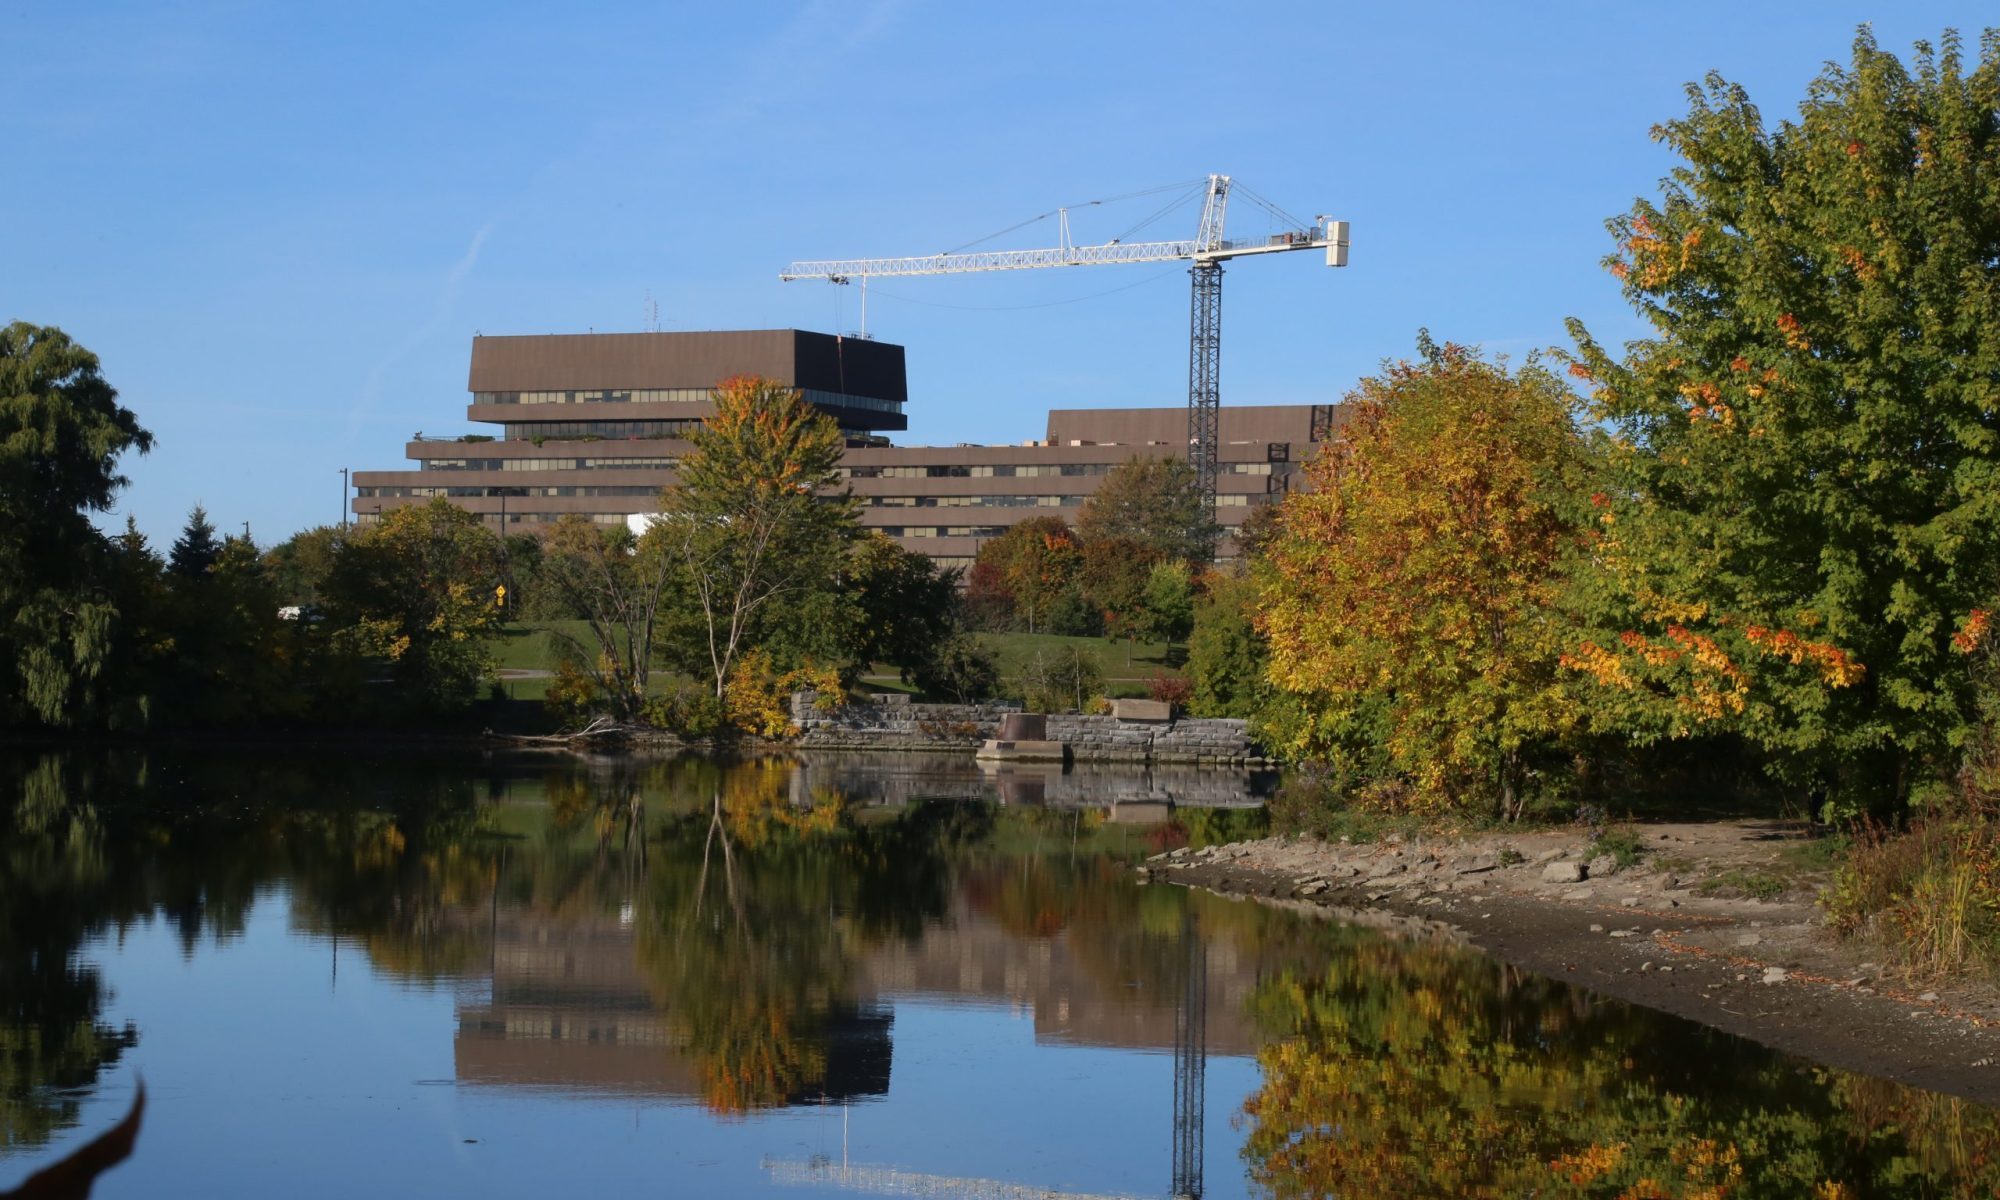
<point>753,921</point>
<point>1399,1069</point>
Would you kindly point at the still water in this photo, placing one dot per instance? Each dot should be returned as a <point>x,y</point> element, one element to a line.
<point>525,976</point>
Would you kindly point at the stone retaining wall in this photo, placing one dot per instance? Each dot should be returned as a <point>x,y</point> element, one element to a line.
<point>892,723</point>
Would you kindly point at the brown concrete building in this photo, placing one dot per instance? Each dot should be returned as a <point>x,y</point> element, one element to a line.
<point>593,424</point>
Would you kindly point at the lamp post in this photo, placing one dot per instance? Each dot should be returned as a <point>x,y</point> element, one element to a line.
<point>343,497</point>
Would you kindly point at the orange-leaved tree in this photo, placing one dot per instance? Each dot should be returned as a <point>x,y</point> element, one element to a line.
<point>757,516</point>
<point>1410,595</point>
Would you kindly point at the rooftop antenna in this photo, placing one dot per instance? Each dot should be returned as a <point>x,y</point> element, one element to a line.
<point>652,312</point>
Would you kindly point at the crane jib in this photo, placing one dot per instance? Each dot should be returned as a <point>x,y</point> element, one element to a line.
<point>1207,250</point>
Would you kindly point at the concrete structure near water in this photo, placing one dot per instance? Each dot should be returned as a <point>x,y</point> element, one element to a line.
<point>892,723</point>
<point>593,425</point>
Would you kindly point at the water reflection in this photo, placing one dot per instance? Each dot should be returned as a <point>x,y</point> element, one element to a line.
<point>769,938</point>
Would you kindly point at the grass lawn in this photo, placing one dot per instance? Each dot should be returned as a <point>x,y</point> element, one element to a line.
<point>1126,665</point>
<point>530,647</point>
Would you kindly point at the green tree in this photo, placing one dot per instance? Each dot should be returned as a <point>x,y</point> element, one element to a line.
<point>618,586</point>
<point>1423,570</point>
<point>757,518</point>
<point>62,431</point>
<point>1227,658</point>
<point>196,549</point>
<point>416,592</point>
<point>1167,609</point>
<point>298,566</point>
<point>1808,476</point>
<point>1156,502</point>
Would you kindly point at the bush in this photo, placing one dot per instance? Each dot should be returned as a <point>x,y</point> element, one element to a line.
<point>1060,680</point>
<point>1170,689</point>
<point>958,669</point>
<point>690,712</point>
<point>1933,890</point>
<point>573,696</point>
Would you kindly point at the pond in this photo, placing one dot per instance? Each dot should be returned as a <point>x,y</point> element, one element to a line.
<point>522,976</point>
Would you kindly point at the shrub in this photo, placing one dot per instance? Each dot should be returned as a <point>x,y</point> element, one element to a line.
<point>1933,890</point>
<point>958,669</point>
<point>573,696</point>
<point>1060,680</point>
<point>1176,690</point>
<point>689,712</point>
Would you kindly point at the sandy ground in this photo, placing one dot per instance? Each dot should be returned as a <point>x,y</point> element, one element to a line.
<point>1673,932</point>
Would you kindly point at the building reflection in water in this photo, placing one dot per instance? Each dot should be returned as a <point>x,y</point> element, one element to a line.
<point>570,1004</point>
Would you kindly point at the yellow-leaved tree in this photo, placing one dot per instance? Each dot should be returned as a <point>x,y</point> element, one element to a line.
<point>1410,596</point>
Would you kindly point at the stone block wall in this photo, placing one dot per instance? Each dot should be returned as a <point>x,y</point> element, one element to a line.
<point>892,723</point>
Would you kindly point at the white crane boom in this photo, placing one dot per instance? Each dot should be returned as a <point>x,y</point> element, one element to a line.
<point>1207,250</point>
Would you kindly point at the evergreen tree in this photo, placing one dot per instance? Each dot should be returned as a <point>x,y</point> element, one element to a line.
<point>197,548</point>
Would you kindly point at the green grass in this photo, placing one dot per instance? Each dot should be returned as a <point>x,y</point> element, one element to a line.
<point>532,647</point>
<point>1129,662</point>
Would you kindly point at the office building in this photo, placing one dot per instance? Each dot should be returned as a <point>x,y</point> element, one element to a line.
<point>593,424</point>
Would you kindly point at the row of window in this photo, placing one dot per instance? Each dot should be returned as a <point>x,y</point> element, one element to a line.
<point>971,501</point>
<point>572,430</point>
<point>982,471</point>
<point>931,531</point>
<point>673,396</point>
<point>425,493</point>
<point>514,518</point>
<point>538,464</point>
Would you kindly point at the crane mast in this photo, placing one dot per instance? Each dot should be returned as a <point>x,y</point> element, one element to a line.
<point>1207,251</point>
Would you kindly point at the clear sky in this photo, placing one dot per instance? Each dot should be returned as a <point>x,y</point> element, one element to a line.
<point>280,224</point>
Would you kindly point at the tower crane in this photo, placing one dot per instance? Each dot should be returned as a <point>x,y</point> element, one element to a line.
<point>1207,251</point>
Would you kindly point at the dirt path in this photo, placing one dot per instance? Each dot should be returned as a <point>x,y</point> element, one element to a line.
<point>1674,930</point>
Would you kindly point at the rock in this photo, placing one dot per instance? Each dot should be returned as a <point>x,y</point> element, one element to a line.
<point>1597,929</point>
<point>1603,867</point>
<point>1666,970</point>
<point>1314,888</point>
<point>1630,902</point>
<point>1776,974</point>
<point>1578,894</point>
<point>1667,882</point>
<point>1478,864</point>
<point>1547,856</point>
<point>1645,966</point>
<point>1928,997</point>
<point>1564,872</point>
<point>1144,874</point>
<point>1749,939</point>
<point>1624,933</point>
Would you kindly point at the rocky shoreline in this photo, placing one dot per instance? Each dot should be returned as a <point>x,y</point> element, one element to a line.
<point>1547,901</point>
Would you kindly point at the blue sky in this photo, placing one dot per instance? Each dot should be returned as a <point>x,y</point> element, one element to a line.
<point>280,225</point>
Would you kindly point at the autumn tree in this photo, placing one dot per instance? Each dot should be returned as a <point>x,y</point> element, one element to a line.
<point>1036,561</point>
<point>1112,573</point>
<point>1156,502</point>
<point>1421,572</point>
<point>62,432</point>
<point>757,518</point>
<point>1808,469</point>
